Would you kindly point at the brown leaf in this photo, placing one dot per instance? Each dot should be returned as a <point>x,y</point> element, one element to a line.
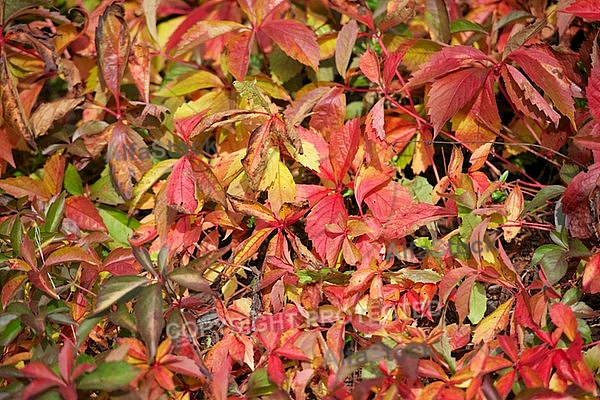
<point>260,143</point>
<point>46,113</point>
<point>139,68</point>
<point>112,47</point>
<point>54,172</point>
<point>207,182</point>
<point>12,109</point>
<point>128,158</point>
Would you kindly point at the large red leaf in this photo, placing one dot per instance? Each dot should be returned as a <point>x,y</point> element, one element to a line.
<point>112,47</point>
<point>408,217</point>
<point>181,187</point>
<point>81,210</point>
<point>576,202</point>
<point>330,210</point>
<point>452,92</point>
<point>543,68</point>
<point>238,54</point>
<point>446,61</point>
<point>588,9</point>
<point>592,92</point>
<point>295,39</point>
<point>525,97</point>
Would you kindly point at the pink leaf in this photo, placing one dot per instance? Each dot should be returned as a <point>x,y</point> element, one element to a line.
<point>344,45</point>
<point>344,143</point>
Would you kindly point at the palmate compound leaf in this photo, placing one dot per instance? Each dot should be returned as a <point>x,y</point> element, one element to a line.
<point>128,158</point>
<point>112,47</point>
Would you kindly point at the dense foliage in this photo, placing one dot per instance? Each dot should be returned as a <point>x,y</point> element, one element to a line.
<point>321,199</point>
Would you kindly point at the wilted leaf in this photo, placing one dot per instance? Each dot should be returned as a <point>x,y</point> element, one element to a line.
<point>128,158</point>
<point>46,113</point>
<point>112,46</point>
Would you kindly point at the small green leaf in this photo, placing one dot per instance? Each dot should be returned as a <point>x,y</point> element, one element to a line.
<point>109,376</point>
<point>72,181</point>
<point>16,236</point>
<point>463,25</point>
<point>118,288</point>
<point>553,260</point>
<point>119,225</point>
<point>55,214</point>
<point>477,303</point>
<point>545,194</point>
<point>259,384</point>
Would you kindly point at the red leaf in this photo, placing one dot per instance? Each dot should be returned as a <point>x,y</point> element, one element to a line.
<point>238,54</point>
<point>295,39</point>
<point>41,280</point>
<point>409,217</point>
<point>591,275</point>
<point>525,97</point>
<point>344,143</point>
<point>355,9</point>
<point>588,9</point>
<point>121,262</point>
<point>71,254</point>
<point>66,358</point>
<point>375,121</point>
<point>208,183</point>
<point>276,370</point>
<point>81,210</point>
<point>329,112</point>
<point>453,92</point>
<point>25,186</point>
<point>196,30</point>
<point>368,179</point>
<point>383,201</point>
<point>562,316</point>
<point>6,147</point>
<point>369,66</point>
<point>592,92</point>
<point>543,68</point>
<point>330,210</point>
<point>112,47</point>
<point>343,46</point>
<point>181,187</point>
<point>576,202</point>
<point>446,61</point>
<point>185,366</point>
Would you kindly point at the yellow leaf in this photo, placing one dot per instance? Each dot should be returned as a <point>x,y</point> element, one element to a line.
<point>271,169</point>
<point>493,323</point>
<point>514,208</point>
<point>283,189</point>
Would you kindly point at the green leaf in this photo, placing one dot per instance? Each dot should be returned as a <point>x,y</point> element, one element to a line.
<point>119,225</point>
<point>12,7</point>
<point>143,257</point>
<point>259,384</point>
<point>16,236</point>
<point>545,194</point>
<point>463,25</point>
<point>117,288</point>
<point>55,214</point>
<point>72,181</point>
<point>109,376</point>
<point>149,317</point>
<point>477,303</point>
<point>10,327</point>
<point>84,329</point>
<point>190,279</point>
<point>553,260</point>
<point>149,179</point>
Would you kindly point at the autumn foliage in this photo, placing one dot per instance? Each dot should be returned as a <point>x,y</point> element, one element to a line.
<point>323,199</point>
